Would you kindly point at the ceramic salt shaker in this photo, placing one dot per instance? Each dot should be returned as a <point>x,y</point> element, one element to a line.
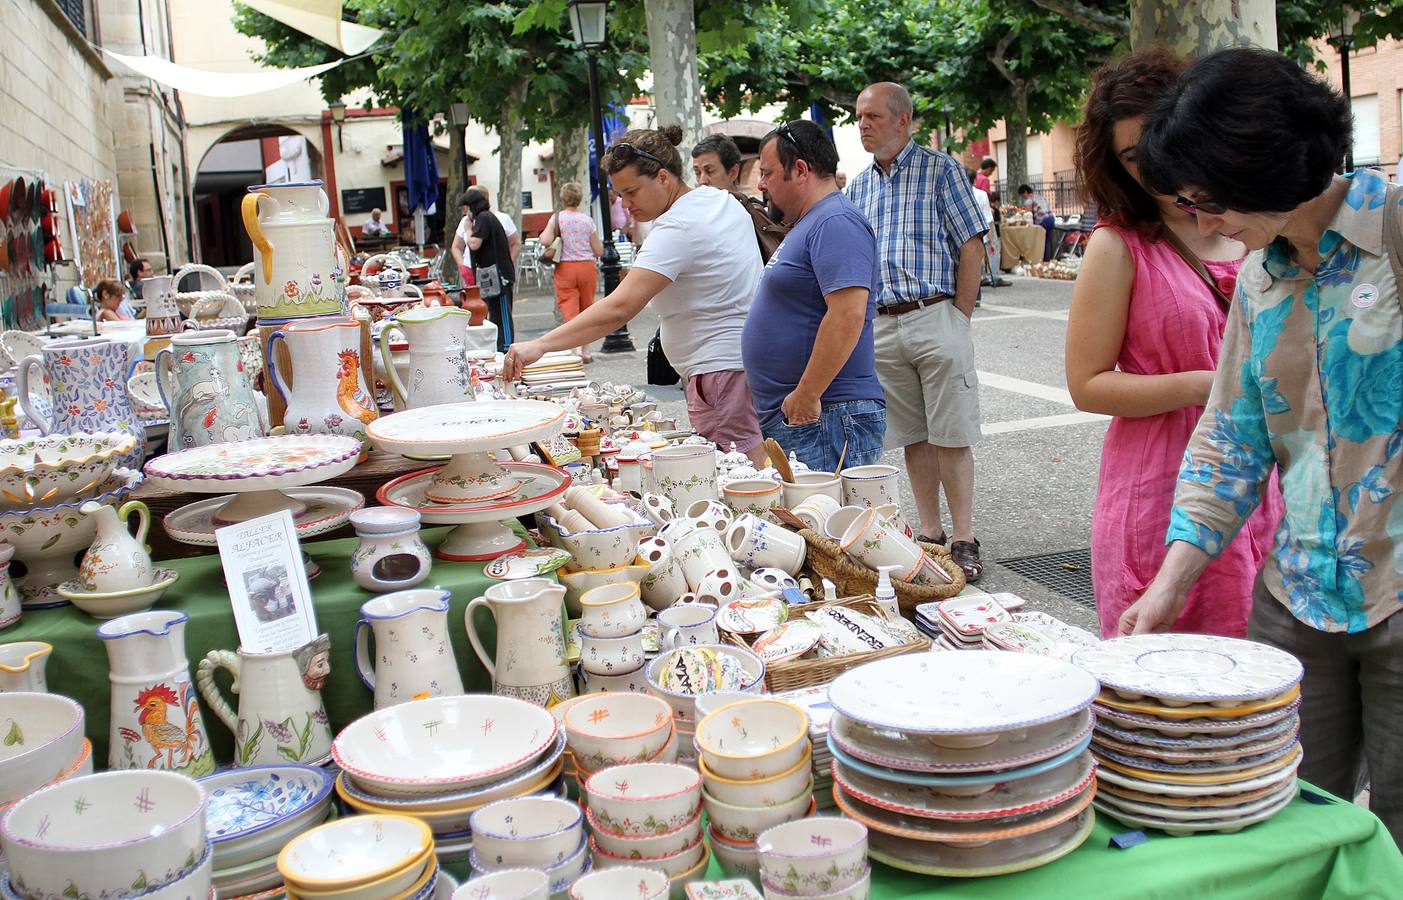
<point>391,555</point>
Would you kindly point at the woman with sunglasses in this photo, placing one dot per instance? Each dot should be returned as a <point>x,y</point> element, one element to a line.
<point>1310,383</point>
<point>1142,341</point>
<point>699,268</point>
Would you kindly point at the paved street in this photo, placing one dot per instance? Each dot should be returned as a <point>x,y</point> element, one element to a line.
<point>1037,466</point>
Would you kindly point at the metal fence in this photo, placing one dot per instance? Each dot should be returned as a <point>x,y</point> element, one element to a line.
<point>1062,193</point>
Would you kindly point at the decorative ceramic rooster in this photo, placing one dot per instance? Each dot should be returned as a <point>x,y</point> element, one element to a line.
<point>157,729</point>
<point>351,398</point>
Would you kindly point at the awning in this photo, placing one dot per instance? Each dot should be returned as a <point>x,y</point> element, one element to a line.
<point>320,19</point>
<point>217,84</point>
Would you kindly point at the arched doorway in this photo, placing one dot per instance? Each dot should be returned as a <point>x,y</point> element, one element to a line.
<point>747,134</point>
<point>252,154</point>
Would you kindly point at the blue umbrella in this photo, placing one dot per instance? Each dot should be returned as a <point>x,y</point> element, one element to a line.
<point>420,171</point>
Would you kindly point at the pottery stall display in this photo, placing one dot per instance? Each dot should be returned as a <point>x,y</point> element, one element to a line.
<point>413,658</point>
<point>251,813</point>
<point>296,272</point>
<point>280,716</point>
<point>87,382</point>
<point>529,659</point>
<point>960,782</point>
<point>1194,732</point>
<point>647,814</point>
<point>325,392</point>
<point>368,857</point>
<point>209,396</point>
<point>391,555</point>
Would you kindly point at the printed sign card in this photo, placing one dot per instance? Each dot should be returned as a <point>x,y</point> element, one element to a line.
<point>267,583</point>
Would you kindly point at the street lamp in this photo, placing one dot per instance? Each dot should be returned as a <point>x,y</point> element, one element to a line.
<point>338,115</point>
<point>590,28</point>
<point>1342,36</point>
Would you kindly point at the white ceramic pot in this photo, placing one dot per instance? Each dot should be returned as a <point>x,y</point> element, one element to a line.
<point>687,623</point>
<point>756,496</point>
<point>413,656</point>
<point>685,473</point>
<point>297,271</point>
<point>756,544</point>
<point>280,716</point>
<point>809,484</point>
<point>612,611</point>
<point>606,655</point>
<point>870,485</point>
<point>699,551</point>
<point>815,510</point>
<point>116,560</point>
<point>438,363</point>
<point>507,884</point>
<point>624,682</point>
<point>530,659</point>
<point>391,555</point>
<point>664,582</point>
<point>22,665</point>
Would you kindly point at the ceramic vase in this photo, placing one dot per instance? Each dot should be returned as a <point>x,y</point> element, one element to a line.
<point>412,657</point>
<point>155,721</point>
<point>202,380</point>
<point>117,561</point>
<point>162,311</point>
<point>327,393</point>
<point>22,666</point>
<point>280,717</point>
<point>10,609</point>
<point>297,270</point>
<point>391,555</point>
<point>438,363</point>
<point>88,389</point>
<point>756,496</point>
<point>685,473</point>
<point>529,662</point>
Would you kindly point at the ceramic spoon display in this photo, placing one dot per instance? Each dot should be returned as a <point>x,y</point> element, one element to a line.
<point>473,490</point>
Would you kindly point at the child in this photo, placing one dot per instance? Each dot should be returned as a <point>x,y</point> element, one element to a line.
<point>110,295</point>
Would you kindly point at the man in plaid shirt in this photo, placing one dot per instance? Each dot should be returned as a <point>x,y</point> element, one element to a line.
<point>930,257</point>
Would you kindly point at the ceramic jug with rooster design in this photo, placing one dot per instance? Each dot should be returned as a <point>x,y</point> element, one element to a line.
<point>155,721</point>
<point>438,362</point>
<point>202,380</point>
<point>325,391</point>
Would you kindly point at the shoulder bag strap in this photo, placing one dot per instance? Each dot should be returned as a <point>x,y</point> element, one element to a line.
<point>1197,265</point>
<point>1393,234</point>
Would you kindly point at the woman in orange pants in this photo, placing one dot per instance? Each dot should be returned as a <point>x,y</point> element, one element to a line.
<point>576,272</point>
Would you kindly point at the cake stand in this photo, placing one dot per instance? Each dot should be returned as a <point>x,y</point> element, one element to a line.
<point>473,490</point>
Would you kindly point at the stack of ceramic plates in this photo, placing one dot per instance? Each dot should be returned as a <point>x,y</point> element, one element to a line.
<point>1039,633</point>
<point>556,369</point>
<point>965,764</point>
<point>1194,732</point>
<point>959,623</point>
<point>251,813</point>
<point>814,702</point>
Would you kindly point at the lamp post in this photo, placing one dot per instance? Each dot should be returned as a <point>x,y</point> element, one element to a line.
<point>338,115</point>
<point>1342,36</point>
<point>587,22</point>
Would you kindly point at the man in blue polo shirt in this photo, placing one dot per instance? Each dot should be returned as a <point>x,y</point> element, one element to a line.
<point>807,343</point>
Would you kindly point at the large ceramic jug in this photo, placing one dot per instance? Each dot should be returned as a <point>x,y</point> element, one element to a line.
<point>162,311</point>
<point>281,718</point>
<point>413,657</point>
<point>328,394</point>
<point>202,380</point>
<point>297,270</point>
<point>438,366</point>
<point>156,722</point>
<point>88,386</point>
<point>529,662</point>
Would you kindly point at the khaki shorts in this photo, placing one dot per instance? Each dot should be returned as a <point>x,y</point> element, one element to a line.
<point>925,361</point>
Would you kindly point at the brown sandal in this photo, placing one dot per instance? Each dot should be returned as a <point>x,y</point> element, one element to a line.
<point>966,556</point>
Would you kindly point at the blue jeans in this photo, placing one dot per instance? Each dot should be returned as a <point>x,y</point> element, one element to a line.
<point>861,424</point>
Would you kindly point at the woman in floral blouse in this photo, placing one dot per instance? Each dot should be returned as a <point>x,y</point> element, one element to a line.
<point>1310,382</point>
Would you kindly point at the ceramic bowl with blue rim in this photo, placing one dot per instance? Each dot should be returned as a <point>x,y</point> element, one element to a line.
<point>252,812</point>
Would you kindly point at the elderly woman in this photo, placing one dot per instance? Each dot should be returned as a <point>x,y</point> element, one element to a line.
<point>1309,382</point>
<point>576,273</point>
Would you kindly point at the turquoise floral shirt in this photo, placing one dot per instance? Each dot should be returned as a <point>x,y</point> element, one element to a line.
<point>1310,380</point>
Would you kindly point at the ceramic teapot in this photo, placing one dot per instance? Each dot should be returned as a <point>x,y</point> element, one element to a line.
<point>328,394</point>
<point>281,718</point>
<point>298,267</point>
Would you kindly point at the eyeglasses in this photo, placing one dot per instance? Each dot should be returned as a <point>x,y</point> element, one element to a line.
<point>636,151</point>
<point>784,132</point>
<point>1193,208</point>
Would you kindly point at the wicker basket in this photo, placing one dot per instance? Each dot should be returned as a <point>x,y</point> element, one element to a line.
<point>798,673</point>
<point>826,559</point>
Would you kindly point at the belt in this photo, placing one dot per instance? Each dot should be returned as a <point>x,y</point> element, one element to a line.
<point>896,309</point>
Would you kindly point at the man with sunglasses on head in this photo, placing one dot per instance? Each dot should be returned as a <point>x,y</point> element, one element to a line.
<point>807,344</point>
<point>930,235</point>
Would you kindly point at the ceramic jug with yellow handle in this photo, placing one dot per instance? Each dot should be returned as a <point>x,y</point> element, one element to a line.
<point>297,269</point>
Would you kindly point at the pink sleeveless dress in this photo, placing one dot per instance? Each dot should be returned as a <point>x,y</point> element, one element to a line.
<point>1174,324</point>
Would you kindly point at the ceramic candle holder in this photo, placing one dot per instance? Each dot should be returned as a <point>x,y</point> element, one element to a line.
<point>391,555</point>
<point>664,582</point>
<point>756,544</point>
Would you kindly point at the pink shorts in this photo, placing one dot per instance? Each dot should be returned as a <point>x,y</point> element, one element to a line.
<point>720,409</point>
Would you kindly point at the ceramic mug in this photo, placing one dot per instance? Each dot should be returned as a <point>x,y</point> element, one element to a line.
<point>810,484</point>
<point>687,623</point>
<point>719,586</point>
<point>611,611</point>
<point>840,519</point>
<point>664,582</point>
<point>700,551</point>
<point>892,513</point>
<point>757,544</point>
<point>611,655</point>
<point>711,514</point>
<point>870,485</point>
<point>875,541</point>
<point>815,510</point>
<point>756,496</point>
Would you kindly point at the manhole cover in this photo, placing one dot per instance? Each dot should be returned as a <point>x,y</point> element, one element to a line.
<point>1068,572</point>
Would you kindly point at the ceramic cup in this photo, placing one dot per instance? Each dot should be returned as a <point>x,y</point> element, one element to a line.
<point>719,586</point>
<point>700,551</point>
<point>756,544</point>
<point>687,623</point>
<point>611,611</point>
<point>815,510</point>
<point>685,473</point>
<point>756,496</point>
<point>875,541</point>
<point>809,484</point>
<point>607,656</point>
<point>870,485</point>
<point>892,513</point>
<point>711,514</point>
<point>839,521</point>
<point>664,582</point>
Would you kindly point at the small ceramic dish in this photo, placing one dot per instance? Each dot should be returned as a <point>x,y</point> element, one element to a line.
<point>644,798</point>
<point>814,856</point>
<point>506,884</point>
<point>743,824</point>
<point>250,813</point>
<point>738,860</point>
<point>761,791</point>
<point>634,882</point>
<point>673,863</point>
<point>532,562</point>
<point>753,740</point>
<point>39,729</point>
<point>858,890</point>
<point>752,616</point>
<point>118,603</point>
<point>527,831</point>
<point>616,729</point>
<point>358,851</point>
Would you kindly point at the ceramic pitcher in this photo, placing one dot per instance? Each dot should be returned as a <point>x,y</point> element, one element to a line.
<point>296,268</point>
<point>438,365</point>
<point>413,657</point>
<point>155,721</point>
<point>529,662</point>
<point>327,393</point>
<point>22,666</point>
<point>88,386</point>
<point>281,718</point>
<point>117,561</point>
<point>10,608</point>
<point>202,380</point>
<point>162,311</point>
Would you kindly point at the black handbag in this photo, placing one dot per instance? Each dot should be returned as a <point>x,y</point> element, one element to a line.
<point>489,282</point>
<point>660,371</point>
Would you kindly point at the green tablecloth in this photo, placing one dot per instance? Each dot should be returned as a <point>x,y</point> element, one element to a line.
<point>78,665</point>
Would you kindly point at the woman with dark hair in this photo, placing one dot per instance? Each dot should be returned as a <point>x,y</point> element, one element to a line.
<point>1142,342</point>
<point>1310,383</point>
<point>699,268</point>
<point>492,264</point>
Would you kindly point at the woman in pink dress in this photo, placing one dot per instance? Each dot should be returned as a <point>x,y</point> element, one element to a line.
<point>1142,342</point>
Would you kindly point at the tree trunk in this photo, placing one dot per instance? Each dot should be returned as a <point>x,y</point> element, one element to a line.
<point>571,160</point>
<point>1016,147</point>
<point>509,151</point>
<point>672,55</point>
<point>1197,27</point>
<point>457,155</point>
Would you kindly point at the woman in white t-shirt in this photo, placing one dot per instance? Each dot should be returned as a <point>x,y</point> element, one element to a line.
<point>699,268</point>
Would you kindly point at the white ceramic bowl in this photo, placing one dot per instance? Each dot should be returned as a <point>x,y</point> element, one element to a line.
<point>644,798</point>
<point>618,728</point>
<point>736,860</point>
<point>119,603</point>
<point>527,831</point>
<point>250,813</point>
<point>753,740</point>
<point>858,890</point>
<point>633,882</point>
<point>655,844</point>
<point>606,655</point>
<point>193,884</point>
<point>508,884</point>
<point>390,751</point>
<point>445,821</point>
<point>769,791</point>
<point>672,863</point>
<point>561,875</point>
<point>99,834</point>
<point>743,824</point>
<point>625,682</point>
<point>42,735</point>
<point>56,468</point>
<point>813,857</point>
<point>709,703</point>
<point>612,610</point>
<point>668,754</point>
<point>678,888</point>
<point>357,851</point>
<point>684,705</point>
<point>602,548</point>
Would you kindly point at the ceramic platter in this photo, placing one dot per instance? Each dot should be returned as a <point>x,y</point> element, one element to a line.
<point>923,829</point>
<point>895,749</point>
<point>1197,727</point>
<point>323,509</point>
<point>1250,814</point>
<point>971,783</point>
<point>1147,738</point>
<point>1276,762</point>
<point>1249,781</point>
<point>1179,669</point>
<point>753,616</point>
<point>261,464</point>
<point>1238,809</point>
<point>1200,710</point>
<point>789,640</point>
<point>1268,786</point>
<point>454,428</point>
<point>1111,745</point>
<point>975,692</point>
<point>1198,766</point>
<point>528,563</point>
<point>994,858</point>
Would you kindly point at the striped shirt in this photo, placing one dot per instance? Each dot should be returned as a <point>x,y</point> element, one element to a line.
<point>923,211</point>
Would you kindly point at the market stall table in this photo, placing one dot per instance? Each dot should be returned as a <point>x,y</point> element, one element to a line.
<point>1022,244</point>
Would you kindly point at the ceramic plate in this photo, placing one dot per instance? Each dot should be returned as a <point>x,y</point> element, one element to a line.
<point>1200,727</point>
<point>466,427</point>
<point>1149,738</point>
<point>528,563</point>
<point>268,463</point>
<point>241,802</point>
<point>1249,782</point>
<point>1193,767</point>
<point>328,508</point>
<point>993,858</point>
<point>923,829</point>
<point>1200,710</point>
<point>974,692</point>
<point>752,616</point>
<point>1202,801</point>
<point>896,749</point>
<point>786,641</point>
<point>540,486</point>
<point>1198,814</point>
<point>1179,669</point>
<point>1226,754</point>
<point>1008,798</point>
<point>1223,825</point>
<point>971,615</point>
<point>970,782</point>
<point>1292,754</point>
